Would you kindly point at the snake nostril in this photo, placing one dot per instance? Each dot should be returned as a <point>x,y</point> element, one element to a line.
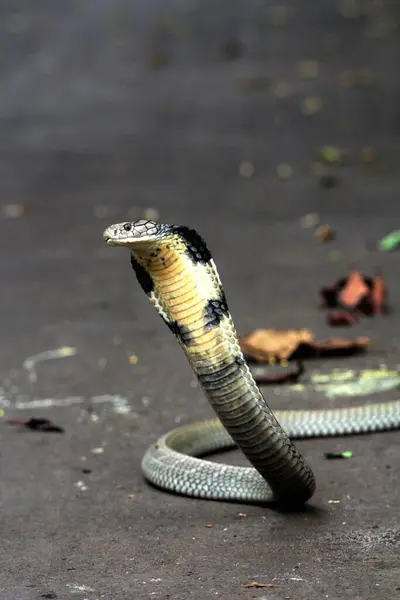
<point>127,226</point>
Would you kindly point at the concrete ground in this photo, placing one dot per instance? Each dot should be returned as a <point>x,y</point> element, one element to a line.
<point>111,111</point>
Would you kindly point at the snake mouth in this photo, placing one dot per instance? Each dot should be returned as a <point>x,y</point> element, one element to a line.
<point>121,235</point>
<point>110,241</point>
<point>126,242</point>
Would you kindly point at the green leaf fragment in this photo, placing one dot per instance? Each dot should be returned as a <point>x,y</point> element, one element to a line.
<point>345,454</point>
<point>390,242</point>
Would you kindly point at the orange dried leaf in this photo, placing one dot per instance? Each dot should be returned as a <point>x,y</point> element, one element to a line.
<point>266,345</point>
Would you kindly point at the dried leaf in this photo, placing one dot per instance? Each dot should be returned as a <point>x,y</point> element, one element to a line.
<point>354,290</point>
<point>325,233</point>
<point>269,345</point>
<point>339,345</point>
<point>379,295</point>
<point>363,295</point>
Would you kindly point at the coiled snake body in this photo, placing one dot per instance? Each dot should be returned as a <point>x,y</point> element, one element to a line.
<point>176,271</point>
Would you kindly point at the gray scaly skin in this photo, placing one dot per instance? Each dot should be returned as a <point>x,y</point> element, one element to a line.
<point>176,271</point>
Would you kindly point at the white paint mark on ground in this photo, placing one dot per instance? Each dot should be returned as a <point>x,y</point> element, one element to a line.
<point>119,403</point>
<point>77,588</point>
<point>30,363</point>
<point>10,396</point>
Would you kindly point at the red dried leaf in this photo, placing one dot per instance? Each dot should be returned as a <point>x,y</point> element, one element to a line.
<point>354,291</point>
<point>363,295</point>
<point>379,296</point>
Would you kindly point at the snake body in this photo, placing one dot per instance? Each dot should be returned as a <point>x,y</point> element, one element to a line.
<point>176,271</point>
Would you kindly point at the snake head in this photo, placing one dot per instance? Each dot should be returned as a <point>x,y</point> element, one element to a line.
<point>131,233</point>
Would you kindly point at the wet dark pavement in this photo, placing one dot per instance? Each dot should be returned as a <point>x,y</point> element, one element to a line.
<point>109,112</point>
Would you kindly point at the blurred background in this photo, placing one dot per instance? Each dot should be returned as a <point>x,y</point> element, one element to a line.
<point>196,108</point>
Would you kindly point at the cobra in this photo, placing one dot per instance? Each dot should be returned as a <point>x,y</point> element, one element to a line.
<point>176,270</point>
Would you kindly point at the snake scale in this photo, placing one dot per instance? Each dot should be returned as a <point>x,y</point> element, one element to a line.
<point>176,271</point>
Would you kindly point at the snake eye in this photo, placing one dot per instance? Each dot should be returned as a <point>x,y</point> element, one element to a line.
<point>127,226</point>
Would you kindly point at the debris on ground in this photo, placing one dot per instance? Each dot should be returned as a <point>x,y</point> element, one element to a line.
<point>308,69</point>
<point>231,49</point>
<point>246,169</point>
<point>328,180</point>
<point>354,291</point>
<point>390,242</point>
<point>341,318</point>
<point>357,78</point>
<point>253,83</point>
<point>355,295</point>
<point>37,424</point>
<point>282,89</point>
<point>257,584</point>
<point>325,233</point>
<point>270,345</point>
<point>309,220</point>
<point>311,105</point>
<point>345,454</point>
<point>284,171</point>
<point>379,295</point>
<point>13,211</point>
<point>335,256</point>
<point>330,155</point>
<point>369,157</point>
<point>263,375</point>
